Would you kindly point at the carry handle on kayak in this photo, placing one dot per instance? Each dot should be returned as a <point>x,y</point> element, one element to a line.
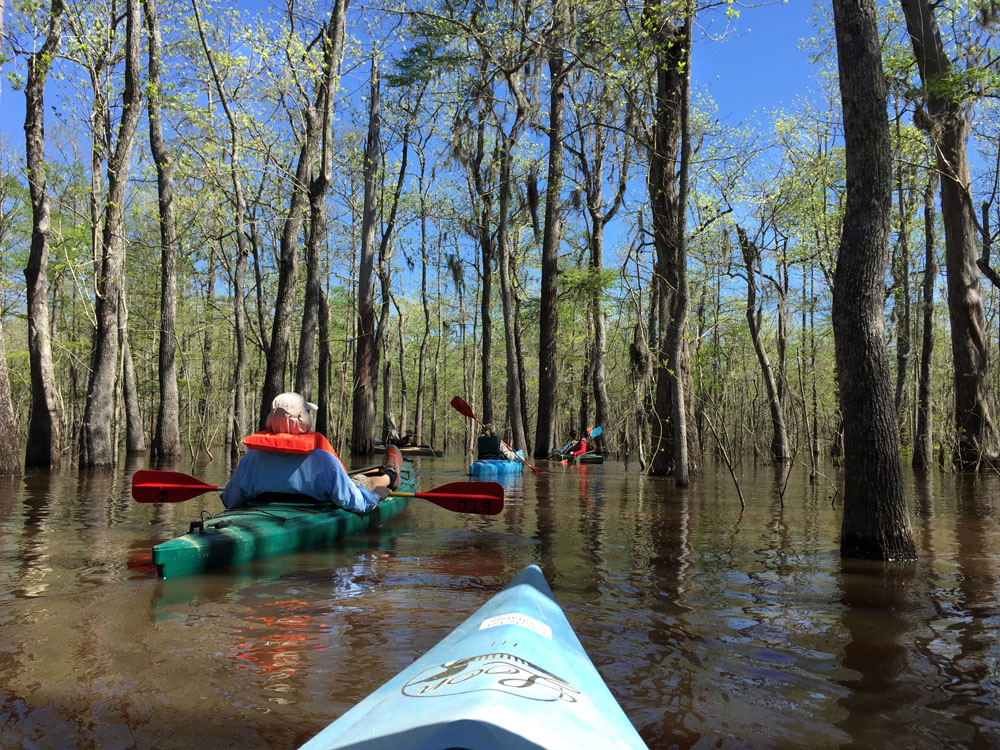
<point>481,498</point>
<point>464,409</point>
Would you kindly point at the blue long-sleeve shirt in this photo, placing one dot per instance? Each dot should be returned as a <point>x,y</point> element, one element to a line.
<point>318,474</point>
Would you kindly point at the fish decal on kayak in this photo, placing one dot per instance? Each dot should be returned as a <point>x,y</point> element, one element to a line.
<point>502,672</point>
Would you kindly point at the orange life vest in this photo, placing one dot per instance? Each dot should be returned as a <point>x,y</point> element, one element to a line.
<point>283,442</point>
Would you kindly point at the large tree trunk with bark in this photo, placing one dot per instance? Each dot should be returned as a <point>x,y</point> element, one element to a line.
<point>875,521</point>
<point>96,441</point>
<point>667,192</point>
<point>978,443</point>
<point>484,228</point>
<point>43,424</point>
<point>167,434</point>
<point>923,441</point>
<point>548,373</point>
<point>363,398</point>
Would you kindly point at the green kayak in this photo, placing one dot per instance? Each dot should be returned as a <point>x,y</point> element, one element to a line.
<point>583,458</point>
<point>421,450</point>
<point>255,531</point>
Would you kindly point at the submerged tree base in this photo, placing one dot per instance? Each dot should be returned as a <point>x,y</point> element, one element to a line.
<point>867,547</point>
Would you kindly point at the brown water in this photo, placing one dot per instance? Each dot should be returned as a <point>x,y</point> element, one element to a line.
<point>712,627</point>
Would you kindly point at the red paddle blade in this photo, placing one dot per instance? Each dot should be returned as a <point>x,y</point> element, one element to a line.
<point>481,498</point>
<point>152,486</point>
<point>459,403</point>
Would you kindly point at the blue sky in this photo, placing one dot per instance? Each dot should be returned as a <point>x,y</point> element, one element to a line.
<point>757,69</point>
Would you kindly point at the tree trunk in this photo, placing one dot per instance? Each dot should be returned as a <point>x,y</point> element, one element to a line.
<point>10,463</point>
<point>517,427</point>
<point>923,441</point>
<point>316,117</point>
<point>284,303</point>
<point>779,435</point>
<point>484,222</point>
<point>239,425</point>
<point>256,248</point>
<point>363,409</point>
<point>902,298</point>
<point>324,365</point>
<point>167,435</point>
<point>390,428</point>
<point>875,521</point>
<point>548,323</point>
<point>436,379</point>
<point>666,184</point>
<point>978,443</point>
<point>42,450</point>
<point>318,186</point>
<point>680,375</point>
<point>96,447</point>
<point>207,345</point>
<point>403,405</point>
<point>418,427</point>
<point>592,168</point>
<point>135,437</point>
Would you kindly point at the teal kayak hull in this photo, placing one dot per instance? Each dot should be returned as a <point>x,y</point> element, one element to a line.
<point>257,531</point>
<point>583,458</point>
<point>512,676</point>
<point>492,467</point>
<point>421,450</point>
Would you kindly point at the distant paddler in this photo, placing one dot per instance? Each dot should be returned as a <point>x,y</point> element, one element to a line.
<point>489,446</point>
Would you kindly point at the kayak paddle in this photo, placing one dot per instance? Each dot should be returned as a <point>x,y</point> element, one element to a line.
<point>463,408</point>
<point>483,498</point>
<point>154,486</point>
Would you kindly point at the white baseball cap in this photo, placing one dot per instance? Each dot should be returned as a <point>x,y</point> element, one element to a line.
<point>292,414</point>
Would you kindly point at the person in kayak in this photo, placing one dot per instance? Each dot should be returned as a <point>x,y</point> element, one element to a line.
<point>409,439</point>
<point>575,447</point>
<point>290,457</point>
<point>491,447</point>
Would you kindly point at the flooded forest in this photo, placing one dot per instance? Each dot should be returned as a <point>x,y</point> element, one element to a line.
<point>536,206</point>
<point>743,249</point>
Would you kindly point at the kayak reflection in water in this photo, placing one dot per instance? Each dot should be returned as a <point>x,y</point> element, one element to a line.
<point>290,457</point>
<point>490,446</point>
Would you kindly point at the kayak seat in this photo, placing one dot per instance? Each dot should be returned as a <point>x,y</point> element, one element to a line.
<point>267,498</point>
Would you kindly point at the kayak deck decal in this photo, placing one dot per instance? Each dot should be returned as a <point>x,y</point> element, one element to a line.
<point>502,672</point>
<point>517,619</point>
